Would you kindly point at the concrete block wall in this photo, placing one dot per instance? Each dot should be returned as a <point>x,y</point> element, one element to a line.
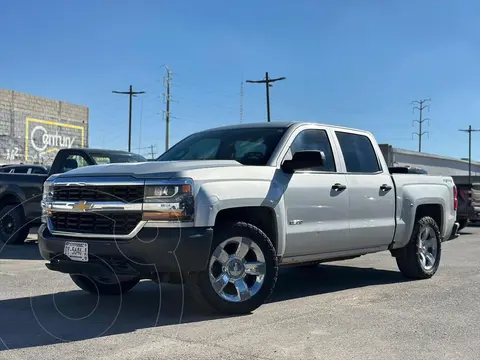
<point>32,128</point>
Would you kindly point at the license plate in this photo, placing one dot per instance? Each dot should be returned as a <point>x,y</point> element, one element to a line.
<point>76,251</point>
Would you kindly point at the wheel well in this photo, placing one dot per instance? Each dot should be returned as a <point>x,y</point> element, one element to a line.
<point>261,216</point>
<point>432,210</point>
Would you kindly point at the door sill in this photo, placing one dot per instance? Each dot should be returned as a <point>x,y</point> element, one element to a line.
<point>331,255</point>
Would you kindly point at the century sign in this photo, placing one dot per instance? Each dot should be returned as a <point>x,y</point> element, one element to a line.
<point>47,139</point>
<point>44,136</point>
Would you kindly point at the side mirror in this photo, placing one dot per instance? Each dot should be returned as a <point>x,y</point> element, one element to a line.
<point>304,160</point>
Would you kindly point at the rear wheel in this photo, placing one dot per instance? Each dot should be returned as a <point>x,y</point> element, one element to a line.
<point>242,271</point>
<point>420,258</point>
<point>13,229</point>
<point>103,286</point>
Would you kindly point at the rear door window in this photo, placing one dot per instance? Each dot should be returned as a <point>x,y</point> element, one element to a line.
<point>358,153</point>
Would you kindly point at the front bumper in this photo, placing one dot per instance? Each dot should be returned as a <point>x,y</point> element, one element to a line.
<point>454,234</point>
<point>152,250</point>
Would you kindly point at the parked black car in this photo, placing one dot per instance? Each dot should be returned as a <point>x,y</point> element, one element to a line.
<point>21,194</point>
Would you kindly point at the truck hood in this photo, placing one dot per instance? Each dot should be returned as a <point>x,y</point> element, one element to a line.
<point>154,169</point>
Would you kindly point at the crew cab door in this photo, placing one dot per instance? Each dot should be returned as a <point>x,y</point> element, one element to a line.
<point>315,200</point>
<point>370,189</point>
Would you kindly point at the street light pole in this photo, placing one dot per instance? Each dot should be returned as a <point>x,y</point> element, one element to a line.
<point>267,81</point>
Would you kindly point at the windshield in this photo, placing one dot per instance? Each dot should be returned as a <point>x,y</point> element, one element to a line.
<point>112,158</point>
<point>248,146</point>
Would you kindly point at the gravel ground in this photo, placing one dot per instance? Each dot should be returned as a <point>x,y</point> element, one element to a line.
<point>357,309</point>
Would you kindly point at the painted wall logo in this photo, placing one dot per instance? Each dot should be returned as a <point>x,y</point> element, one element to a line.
<point>45,136</point>
<point>47,139</point>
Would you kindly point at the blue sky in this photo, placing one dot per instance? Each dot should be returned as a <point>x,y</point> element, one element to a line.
<point>352,63</point>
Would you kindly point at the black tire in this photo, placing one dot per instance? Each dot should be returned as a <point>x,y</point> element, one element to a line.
<point>463,224</point>
<point>202,290</point>
<point>96,287</point>
<point>409,259</point>
<point>13,229</point>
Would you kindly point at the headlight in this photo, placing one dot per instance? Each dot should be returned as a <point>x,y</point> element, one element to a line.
<point>46,197</point>
<point>47,191</point>
<point>168,202</point>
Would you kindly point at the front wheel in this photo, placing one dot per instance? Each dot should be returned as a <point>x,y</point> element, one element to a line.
<point>242,271</point>
<point>420,258</point>
<point>101,286</point>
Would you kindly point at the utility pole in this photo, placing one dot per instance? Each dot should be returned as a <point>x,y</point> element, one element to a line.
<point>140,130</point>
<point>168,81</point>
<point>421,106</point>
<point>132,94</point>
<point>267,81</point>
<point>469,130</point>
<point>241,100</point>
<point>151,151</point>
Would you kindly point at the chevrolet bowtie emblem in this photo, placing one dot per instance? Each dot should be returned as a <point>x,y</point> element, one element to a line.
<point>82,206</point>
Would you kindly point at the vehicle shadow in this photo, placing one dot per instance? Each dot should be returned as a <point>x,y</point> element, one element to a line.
<point>75,315</point>
<point>301,282</point>
<point>26,251</point>
<point>468,230</point>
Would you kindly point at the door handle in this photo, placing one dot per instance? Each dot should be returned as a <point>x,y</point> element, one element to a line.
<point>385,187</point>
<point>339,187</point>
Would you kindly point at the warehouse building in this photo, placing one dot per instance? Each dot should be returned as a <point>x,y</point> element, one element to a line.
<point>433,164</point>
<point>33,129</point>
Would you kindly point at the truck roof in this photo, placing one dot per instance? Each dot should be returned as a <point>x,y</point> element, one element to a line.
<point>111,151</point>
<point>280,124</point>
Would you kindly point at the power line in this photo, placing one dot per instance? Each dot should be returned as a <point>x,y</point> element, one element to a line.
<point>168,81</point>
<point>132,94</point>
<point>421,106</point>
<point>267,81</point>
<point>469,131</point>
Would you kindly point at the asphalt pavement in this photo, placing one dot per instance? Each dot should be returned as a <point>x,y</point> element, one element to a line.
<point>356,309</point>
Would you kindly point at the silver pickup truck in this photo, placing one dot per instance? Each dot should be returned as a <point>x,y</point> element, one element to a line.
<point>224,208</point>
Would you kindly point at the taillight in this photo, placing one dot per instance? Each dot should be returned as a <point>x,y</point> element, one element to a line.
<point>455,198</point>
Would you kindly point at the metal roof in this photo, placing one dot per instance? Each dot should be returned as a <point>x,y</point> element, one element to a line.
<point>431,156</point>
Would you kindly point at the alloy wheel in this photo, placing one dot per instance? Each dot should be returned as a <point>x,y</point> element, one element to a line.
<point>237,269</point>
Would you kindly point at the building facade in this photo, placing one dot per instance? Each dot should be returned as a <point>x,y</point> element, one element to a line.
<point>433,164</point>
<point>33,129</point>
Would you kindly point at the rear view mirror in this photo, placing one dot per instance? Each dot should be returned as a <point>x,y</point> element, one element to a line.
<point>304,160</point>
